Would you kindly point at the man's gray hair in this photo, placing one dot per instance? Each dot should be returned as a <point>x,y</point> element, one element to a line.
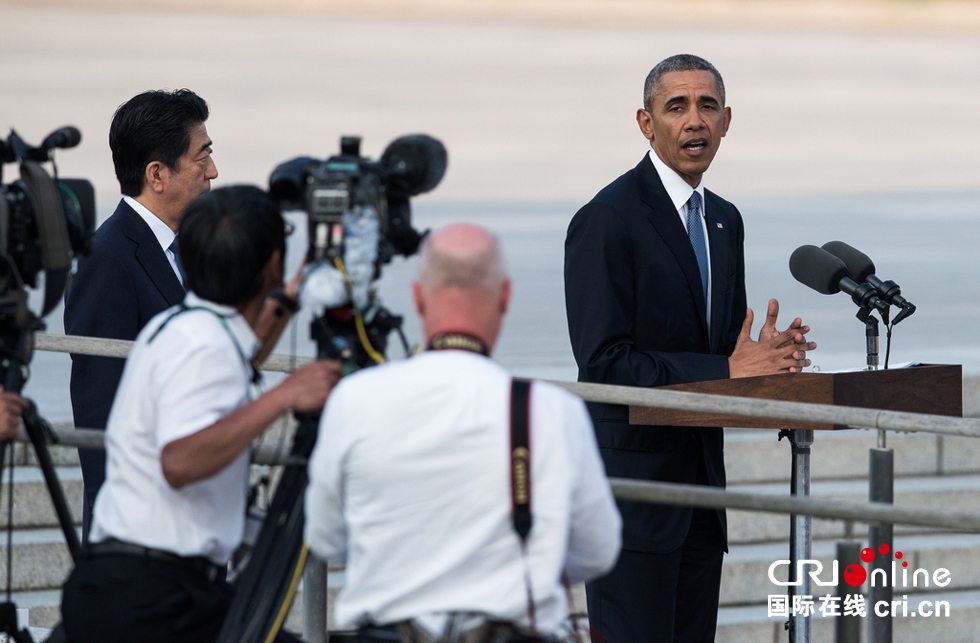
<point>680,62</point>
<point>441,267</point>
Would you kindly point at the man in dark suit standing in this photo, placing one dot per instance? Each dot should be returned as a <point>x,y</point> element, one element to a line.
<point>655,295</point>
<point>162,156</point>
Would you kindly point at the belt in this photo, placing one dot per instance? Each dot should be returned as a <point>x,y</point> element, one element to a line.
<point>487,632</point>
<point>113,547</point>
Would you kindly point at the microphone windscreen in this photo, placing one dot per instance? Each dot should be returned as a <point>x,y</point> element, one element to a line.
<point>63,138</point>
<point>859,265</point>
<point>418,160</point>
<point>818,269</point>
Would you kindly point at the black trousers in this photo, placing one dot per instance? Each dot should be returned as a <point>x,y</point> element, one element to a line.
<point>662,598</point>
<point>134,599</point>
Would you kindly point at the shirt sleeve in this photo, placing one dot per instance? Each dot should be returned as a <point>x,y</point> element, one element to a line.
<point>197,385</point>
<point>326,531</point>
<point>595,527</point>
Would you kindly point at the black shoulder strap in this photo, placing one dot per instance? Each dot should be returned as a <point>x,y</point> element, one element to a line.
<point>520,456</point>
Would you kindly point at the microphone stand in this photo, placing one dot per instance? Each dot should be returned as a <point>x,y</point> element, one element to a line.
<point>871,336</point>
<point>871,333</point>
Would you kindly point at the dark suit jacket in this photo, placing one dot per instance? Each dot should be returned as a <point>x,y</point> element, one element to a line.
<point>636,317</point>
<point>118,288</point>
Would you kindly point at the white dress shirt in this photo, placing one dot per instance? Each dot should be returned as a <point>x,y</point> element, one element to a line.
<point>188,377</point>
<point>160,230</point>
<point>680,192</point>
<point>410,486</point>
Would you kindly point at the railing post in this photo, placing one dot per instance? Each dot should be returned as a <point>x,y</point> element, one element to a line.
<point>315,600</point>
<point>800,536</point>
<point>881,489</point>
<point>847,629</point>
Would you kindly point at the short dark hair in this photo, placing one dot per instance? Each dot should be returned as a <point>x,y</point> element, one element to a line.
<point>153,126</point>
<point>680,62</point>
<point>226,238</point>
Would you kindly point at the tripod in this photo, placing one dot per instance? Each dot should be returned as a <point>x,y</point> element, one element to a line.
<point>16,349</point>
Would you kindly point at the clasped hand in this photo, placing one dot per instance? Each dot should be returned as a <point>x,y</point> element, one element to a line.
<point>775,352</point>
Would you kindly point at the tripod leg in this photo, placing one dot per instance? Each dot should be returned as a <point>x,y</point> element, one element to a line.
<point>36,429</point>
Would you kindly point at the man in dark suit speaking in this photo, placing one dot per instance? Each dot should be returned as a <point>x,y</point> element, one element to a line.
<point>655,295</point>
<point>162,156</point>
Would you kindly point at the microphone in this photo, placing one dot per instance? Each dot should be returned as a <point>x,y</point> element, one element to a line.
<point>860,268</point>
<point>825,273</point>
<point>418,160</point>
<point>62,138</point>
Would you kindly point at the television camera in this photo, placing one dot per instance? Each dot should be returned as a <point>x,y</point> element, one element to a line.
<point>44,223</point>
<point>359,219</point>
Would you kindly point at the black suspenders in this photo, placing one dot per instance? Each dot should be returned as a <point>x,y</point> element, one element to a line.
<point>520,456</point>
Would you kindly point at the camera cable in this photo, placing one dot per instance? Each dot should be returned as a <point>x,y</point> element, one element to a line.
<point>359,319</point>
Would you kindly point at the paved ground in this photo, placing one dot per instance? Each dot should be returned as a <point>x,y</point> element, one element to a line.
<point>860,135</point>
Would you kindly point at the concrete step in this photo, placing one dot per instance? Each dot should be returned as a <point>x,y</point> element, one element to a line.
<point>32,501</point>
<point>755,455</point>
<point>750,624</point>
<point>40,559</point>
<point>953,492</point>
<point>745,578</point>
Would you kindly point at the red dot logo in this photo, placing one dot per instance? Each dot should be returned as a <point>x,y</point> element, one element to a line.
<point>905,563</point>
<point>898,554</point>
<point>855,575</point>
<point>867,555</point>
<point>883,549</point>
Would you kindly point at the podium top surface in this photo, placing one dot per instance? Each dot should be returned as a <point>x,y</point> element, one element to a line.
<point>930,388</point>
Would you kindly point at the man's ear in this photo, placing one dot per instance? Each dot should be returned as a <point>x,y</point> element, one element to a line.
<point>419,298</point>
<point>505,297</point>
<point>156,177</point>
<point>645,120</point>
<point>728,121</point>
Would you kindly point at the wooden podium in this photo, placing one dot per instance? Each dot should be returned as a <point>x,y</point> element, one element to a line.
<point>935,389</point>
<point>930,388</point>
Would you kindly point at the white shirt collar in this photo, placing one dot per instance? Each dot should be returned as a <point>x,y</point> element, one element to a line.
<point>677,188</point>
<point>243,333</point>
<point>160,230</point>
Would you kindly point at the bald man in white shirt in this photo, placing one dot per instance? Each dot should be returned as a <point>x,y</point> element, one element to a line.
<point>410,482</point>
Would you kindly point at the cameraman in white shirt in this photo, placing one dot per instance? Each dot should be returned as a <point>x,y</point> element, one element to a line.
<point>410,481</point>
<point>172,509</point>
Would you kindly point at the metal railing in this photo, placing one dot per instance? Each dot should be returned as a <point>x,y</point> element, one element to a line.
<point>315,595</point>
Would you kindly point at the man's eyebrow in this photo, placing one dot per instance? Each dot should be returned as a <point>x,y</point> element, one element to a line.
<point>205,146</point>
<point>675,100</point>
<point>708,98</point>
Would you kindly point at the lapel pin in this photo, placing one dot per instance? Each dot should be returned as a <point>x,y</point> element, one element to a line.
<point>719,225</point>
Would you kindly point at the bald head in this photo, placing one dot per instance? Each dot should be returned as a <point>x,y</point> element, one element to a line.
<point>463,256</point>
<point>463,285</point>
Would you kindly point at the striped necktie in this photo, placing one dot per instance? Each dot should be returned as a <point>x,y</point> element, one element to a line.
<point>696,233</point>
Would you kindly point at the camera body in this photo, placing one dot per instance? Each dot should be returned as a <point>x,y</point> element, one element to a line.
<point>44,223</point>
<point>359,218</point>
<point>20,234</point>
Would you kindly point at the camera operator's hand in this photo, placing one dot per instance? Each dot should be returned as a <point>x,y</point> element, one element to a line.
<point>278,310</point>
<point>296,283</point>
<point>11,407</point>
<point>309,386</point>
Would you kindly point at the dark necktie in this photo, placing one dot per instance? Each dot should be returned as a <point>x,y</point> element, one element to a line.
<point>696,233</point>
<point>174,248</point>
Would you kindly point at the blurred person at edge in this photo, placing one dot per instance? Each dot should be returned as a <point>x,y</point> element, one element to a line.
<point>172,509</point>
<point>12,406</point>
<point>410,481</point>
